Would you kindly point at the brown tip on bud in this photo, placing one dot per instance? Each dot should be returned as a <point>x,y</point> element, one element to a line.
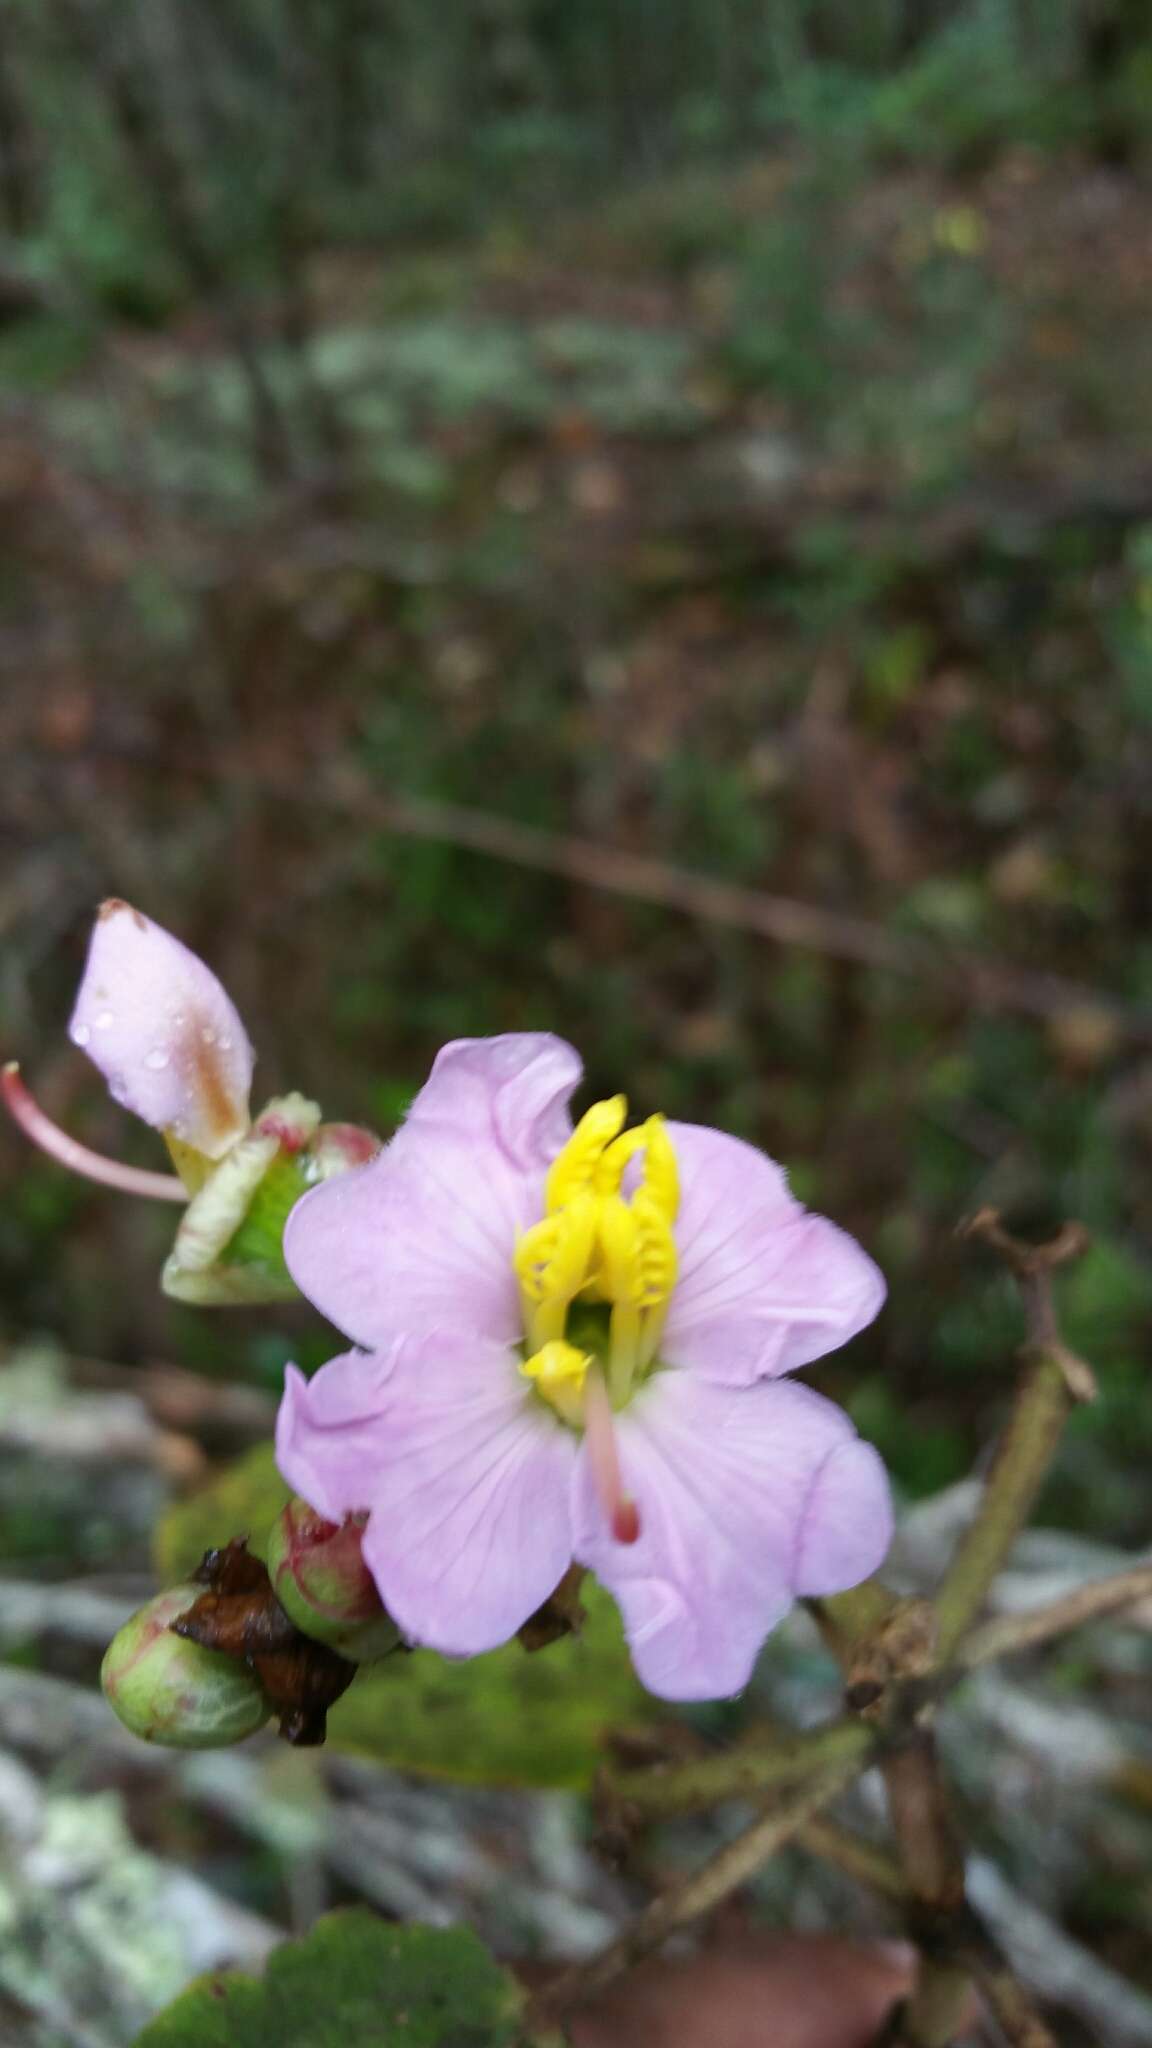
<point>626,1522</point>
<point>113,905</point>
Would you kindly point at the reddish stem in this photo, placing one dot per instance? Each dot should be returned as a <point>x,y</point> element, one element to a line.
<point>112,1173</point>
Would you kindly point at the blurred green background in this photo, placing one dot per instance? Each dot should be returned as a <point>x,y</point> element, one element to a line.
<point>712,433</point>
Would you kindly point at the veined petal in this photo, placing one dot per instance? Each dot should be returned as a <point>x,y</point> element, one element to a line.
<point>466,1478</point>
<point>764,1287</point>
<point>331,1431</point>
<point>512,1091</point>
<point>747,1496</point>
<point>159,1026</point>
<point>423,1238</point>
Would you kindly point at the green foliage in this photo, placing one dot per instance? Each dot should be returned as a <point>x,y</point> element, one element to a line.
<point>506,1718</point>
<point>353,1982</point>
<point>243,1501</point>
<point>225,139</point>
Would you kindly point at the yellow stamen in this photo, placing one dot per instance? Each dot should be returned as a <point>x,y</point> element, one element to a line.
<point>572,1170</point>
<point>559,1371</point>
<point>655,1248</point>
<point>609,1170</point>
<point>661,1173</point>
<point>552,1262</point>
<point>597,1243</point>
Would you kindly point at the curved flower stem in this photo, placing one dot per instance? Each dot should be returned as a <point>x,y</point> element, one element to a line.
<point>722,1874</point>
<point>1054,1381</point>
<point>111,1173</point>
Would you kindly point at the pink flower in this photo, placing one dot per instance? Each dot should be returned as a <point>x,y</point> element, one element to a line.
<point>574,1345</point>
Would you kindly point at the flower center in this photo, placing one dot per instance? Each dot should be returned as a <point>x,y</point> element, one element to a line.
<point>601,1265</point>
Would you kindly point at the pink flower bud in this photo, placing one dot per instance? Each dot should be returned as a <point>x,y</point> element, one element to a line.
<point>320,1578</point>
<point>163,1032</point>
<point>173,1692</point>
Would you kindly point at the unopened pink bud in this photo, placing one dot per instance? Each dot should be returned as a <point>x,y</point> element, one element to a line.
<point>320,1578</point>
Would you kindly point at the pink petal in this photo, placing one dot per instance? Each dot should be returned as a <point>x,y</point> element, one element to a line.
<point>747,1496</point>
<point>849,1495</point>
<point>162,1031</point>
<point>512,1091</point>
<point>466,1476</point>
<point>330,1432</point>
<point>764,1286</point>
<point>423,1238</point>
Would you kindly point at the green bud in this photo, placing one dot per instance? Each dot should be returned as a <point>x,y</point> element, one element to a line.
<point>172,1692</point>
<point>320,1578</point>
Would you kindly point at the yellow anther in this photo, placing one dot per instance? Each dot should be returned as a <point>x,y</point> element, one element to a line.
<point>656,1248</point>
<point>637,1251</point>
<point>572,1170</point>
<point>661,1173</point>
<point>552,1258</point>
<point>558,1371</point>
<point>552,1265</point>
<point>533,1255</point>
<point>609,1169</point>
<point>618,1240</point>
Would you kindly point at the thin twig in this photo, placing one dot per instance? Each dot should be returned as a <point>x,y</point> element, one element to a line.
<point>933,1864</point>
<point>764,1764</point>
<point>1054,1380</point>
<point>722,1874</point>
<point>865,1861</point>
<point>1010,2004</point>
<point>782,919</point>
<point>760,1766</point>
<point>1012,1632</point>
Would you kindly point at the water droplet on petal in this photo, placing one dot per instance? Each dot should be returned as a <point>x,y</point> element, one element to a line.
<point>178,1018</point>
<point>81,1035</point>
<point>225,1045</point>
<point>105,1020</point>
<point>156,1060</point>
<point>208,1037</point>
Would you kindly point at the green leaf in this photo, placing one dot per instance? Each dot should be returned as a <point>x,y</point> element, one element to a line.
<point>508,1718</point>
<point>353,1982</point>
